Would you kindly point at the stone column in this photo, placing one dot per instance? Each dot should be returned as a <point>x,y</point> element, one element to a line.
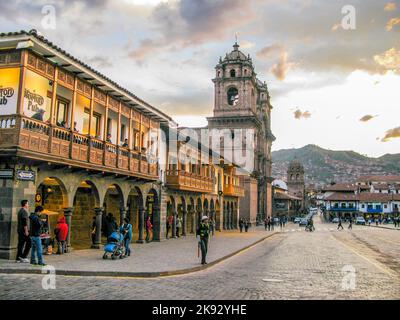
<point>174,214</point>
<point>156,224</point>
<point>68,218</point>
<point>122,215</point>
<point>184,222</point>
<point>141,225</point>
<point>99,218</point>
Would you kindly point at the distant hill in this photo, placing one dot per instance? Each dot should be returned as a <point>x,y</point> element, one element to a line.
<point>324,166</point>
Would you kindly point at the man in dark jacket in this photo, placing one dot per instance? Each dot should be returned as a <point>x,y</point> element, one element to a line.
<point>24,242</point>
<point>36,226</point>
<point>202,235</point>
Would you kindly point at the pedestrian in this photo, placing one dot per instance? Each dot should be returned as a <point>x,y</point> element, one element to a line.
<point>272,224</point>
<point>149,228</point>
<point>269,223</point>
<point>202,235</point>
<point>35,231</point>
<point>111,225</point>
<point>212,226</point>
<point>170,221</point>
<point>126,230</point>
<point>241,224</point>
<point>350,224</point>
<point>93,230</point>
<point>340,224</point>
<point>280,222</point>
<point>24,241</point>
<point>266,223</point>
<point>247,225</point>
<point>61,233</point>
<point>395,222</point>
<point>178,226</point>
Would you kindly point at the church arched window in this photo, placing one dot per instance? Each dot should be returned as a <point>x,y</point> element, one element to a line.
<point>233,73</point>
<point>233,96</point>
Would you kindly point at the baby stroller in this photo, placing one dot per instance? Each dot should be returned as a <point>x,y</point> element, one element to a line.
<point>114,246</point>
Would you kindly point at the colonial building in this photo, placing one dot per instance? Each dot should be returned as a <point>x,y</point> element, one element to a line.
<point>295,181</point>
<point>284,204</point>
<point>79,144</point>
<point>242,108</point>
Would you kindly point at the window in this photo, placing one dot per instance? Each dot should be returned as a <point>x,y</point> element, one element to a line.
<point>233,73</point>
<point>123,132</point>
<point>343,205</point>
<point>62,112</point>
<point>108,126</point>
<point>233,96</point>
<point>86,117</point>
<point>95,127</point>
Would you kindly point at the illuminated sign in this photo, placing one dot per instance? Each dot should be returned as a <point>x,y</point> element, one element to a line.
<point>26,175</point>
<point>36,96</point>
<point>9,82</point>
<point>35,101</point>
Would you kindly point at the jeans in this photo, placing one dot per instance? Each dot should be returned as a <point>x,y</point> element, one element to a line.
<point>127,242</point>
<point>24,245</point>
<point>36,249</point>
<point>61,247</point>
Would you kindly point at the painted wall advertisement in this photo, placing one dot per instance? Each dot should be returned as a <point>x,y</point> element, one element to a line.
<point>36,102</point>
<point>9,83</point>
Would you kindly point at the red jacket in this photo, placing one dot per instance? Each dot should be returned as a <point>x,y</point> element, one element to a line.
<point>61,229</point>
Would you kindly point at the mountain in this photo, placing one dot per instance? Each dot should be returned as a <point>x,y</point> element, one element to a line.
<point>324,166</point>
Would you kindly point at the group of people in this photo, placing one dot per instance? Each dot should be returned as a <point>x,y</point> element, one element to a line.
<point>29,228</point>
<point>244,223</point>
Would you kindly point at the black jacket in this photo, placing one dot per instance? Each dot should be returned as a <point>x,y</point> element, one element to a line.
<point>36,225</point>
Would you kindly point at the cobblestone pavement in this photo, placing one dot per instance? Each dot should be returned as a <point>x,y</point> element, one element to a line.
<point>290,265</point>
<point>168,255</point>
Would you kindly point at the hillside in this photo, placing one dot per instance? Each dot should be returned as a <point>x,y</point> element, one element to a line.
<point>323,166</point>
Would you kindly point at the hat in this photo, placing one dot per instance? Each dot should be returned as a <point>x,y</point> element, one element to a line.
<point>204,218</point>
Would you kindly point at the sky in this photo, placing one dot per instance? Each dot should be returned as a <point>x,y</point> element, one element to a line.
<point>332,86</point>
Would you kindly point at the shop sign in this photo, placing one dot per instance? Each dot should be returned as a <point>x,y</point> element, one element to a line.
<point>6,173</point>
<point>9,81</point>
<point>26,175</point>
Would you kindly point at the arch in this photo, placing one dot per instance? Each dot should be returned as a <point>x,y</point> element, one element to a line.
<point>56,183</point>
<point>134,204</point>
<point>152,207</point>
<point>86,199</point>
<point>233,96</point>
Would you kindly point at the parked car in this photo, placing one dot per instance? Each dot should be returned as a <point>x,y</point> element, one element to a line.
<point>360,220</point>
<point>303,222</point>
<point>335,220</point>
<point>296,220</point>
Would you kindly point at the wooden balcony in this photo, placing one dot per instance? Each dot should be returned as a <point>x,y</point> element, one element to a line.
<point>233,191</point>
<point>40,141</point>
<point>182,180</point>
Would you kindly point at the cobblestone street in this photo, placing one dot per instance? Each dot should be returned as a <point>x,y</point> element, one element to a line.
<point>293,264</point>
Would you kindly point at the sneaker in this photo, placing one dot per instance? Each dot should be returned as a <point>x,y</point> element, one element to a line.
<point>24,260</point>
<point>18,260</point>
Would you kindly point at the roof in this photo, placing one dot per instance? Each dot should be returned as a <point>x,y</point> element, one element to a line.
<point>236,54</point>
<point>45,47</point>
<point>277,183</point>
<point>379,178</point>
<point>285,196</point>
<point>340,196</point>
<point>349,187</point>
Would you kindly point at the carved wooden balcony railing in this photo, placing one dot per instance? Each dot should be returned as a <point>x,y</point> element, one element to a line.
<point>182,180</point>
<point>55,144</point>
<point>234,191</point>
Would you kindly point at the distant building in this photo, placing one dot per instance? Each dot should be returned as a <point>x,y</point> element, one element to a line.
<point>295,181</point>
<point>284,204</point>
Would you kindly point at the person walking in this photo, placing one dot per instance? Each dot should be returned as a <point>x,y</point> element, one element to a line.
<point>266,223</point>
<point>241,224</point>
<point>202,235</point>
<point>340,224</point>
<point>212,226</point>
<point>24,241</point>
<point>272,224</point>
<point>35,231</point>
<point>126,230</point>
<point>281,222</point>
<point>170,221</point>
<point>246,225</point>
<point>178,226</point>
<point>111,225</point>
<point>61,232</point>
<point>149,228</point>
<point>350,227</point>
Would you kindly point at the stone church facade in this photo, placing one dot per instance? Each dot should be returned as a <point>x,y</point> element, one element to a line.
<point>242,102</point>
<point>295,181</point>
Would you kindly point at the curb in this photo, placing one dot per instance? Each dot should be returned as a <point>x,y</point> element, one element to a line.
<point>127,274</point>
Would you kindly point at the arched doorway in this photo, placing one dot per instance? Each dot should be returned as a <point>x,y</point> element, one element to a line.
<point>182,214</point>
<point>199,211</point>
<point>205,208</point>
<point>153,212</point>
<point>52,195</point>
<point>218,216</point>
<point>170,219</point>
<point>191,219</point>
<point>134,204</point>
<point>85,200</point>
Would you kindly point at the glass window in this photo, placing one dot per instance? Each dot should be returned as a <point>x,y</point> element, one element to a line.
<point>233,96</point>
<point>62,113</point>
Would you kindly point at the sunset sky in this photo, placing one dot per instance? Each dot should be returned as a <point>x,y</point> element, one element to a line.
<point>339,89</point>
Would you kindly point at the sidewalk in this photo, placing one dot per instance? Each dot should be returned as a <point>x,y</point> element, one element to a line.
<point>389,226</point>
<point>169,257</point>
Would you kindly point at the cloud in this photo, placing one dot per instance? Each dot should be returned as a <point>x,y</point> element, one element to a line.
<point>270,51</point>
<point>390,6</point>
<point>367,117</point>
<point>298,114</point>
<point>280,69</point>
<point>389,60</point>
<point>391,23</point>
<point>391,134</point>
